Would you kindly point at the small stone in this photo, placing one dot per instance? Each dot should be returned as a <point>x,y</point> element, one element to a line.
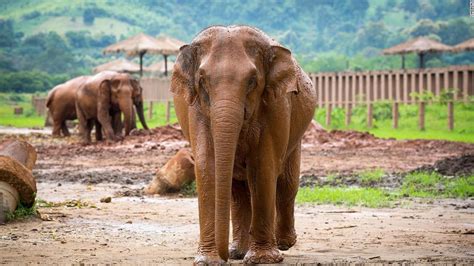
<point>129,222</point>
<point>106,200</point>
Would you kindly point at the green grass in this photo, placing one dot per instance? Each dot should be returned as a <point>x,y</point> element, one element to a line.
<point>368,197</point>
<point>435,121</point>
<point>432,185</point>
<point>28,119</point>
<point>159,115</point>
<point>415,185</point>
<point>371,176</point>
<point>22,212</point>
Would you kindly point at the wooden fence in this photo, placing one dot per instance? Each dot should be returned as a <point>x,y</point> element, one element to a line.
<point>39,105</point>
<point>348,89</point>
<point>156,89</point>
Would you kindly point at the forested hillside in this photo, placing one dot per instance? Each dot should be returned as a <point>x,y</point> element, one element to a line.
<point>44,42</point>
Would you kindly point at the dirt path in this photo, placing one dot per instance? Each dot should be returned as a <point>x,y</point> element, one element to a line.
<point>164,230</point>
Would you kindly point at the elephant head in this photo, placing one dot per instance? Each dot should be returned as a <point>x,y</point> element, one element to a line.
<point>232,75</point>
<point>137,96</point>
<point>120,91</point>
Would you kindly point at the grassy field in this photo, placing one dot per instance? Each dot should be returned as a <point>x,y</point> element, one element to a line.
<point>435,121</point>
<point>415,185</point>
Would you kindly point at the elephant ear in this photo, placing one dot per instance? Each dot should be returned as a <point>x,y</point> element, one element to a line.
<point>282,74</point>
<point>137,89</point>
<point>105,94</point>
<point>182,81</point>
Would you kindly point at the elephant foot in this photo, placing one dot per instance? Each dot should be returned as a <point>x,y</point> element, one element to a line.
<point>208,259</point>
<point>286,242</point>
<point>235,253</point>
<point>263,256</point>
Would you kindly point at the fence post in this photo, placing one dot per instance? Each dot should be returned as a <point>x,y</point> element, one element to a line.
<point>450,116</point>
<point>395,114</point>
<point>348,114</point>
<point>369,114</point>
<point>150,110</point>
<point>328,114</point>
<point>168,108</point>
<point>421,113</point>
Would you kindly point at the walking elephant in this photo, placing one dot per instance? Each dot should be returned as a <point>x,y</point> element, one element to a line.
<point>101,101</point>
<point>244,104</point>
<point>61,104</point>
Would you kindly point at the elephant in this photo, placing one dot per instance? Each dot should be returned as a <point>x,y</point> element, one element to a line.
<point>61,104</point>
<point>102,99</point>
<point>244,104</point>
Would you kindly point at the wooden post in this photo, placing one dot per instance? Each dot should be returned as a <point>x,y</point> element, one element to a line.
<point>168,108</point>
<point>150,110</point>
<point>348,114</point>
<point>395,115</point>
<point>328,114</point>
<point>450,116</point>
<point>421,113</point>
<point>369,114</point>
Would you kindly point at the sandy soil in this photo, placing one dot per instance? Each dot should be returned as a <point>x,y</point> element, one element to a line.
<point>164,230</point>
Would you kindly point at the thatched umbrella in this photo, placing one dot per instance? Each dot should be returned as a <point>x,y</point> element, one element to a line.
<point>159,67</point>
<point>464,46</point>
<point>420,45</point>
<point>119,65</point>
<point>170,46</point>
<point>141,44</point>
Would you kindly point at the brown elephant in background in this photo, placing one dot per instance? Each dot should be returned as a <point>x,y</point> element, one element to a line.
<point>61,104</point>
<point>101,101</point>
<point>244,104</point>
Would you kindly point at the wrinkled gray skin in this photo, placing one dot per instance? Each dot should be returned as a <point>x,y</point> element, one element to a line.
<point>101,101</point>
<point>244,104</point>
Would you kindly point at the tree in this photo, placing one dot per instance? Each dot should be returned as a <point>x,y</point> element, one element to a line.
<point>7,34</point>
<point>88,16</point>
<point>423,28</point>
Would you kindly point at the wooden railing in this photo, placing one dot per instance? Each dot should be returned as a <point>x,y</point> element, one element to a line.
<point>348,89</point>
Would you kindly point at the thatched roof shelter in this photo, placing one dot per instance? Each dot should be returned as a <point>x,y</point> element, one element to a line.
<point>159,67</point>
<point>464,46</point>
<point>420,45</point>
<point>141,44</point>
<point>119,65</point>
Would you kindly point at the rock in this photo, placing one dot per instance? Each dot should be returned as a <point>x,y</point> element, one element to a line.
<point>106,200</point>
<point>176,173</point>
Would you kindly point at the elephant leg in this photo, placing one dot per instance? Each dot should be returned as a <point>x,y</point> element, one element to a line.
<point>241,216</point>
<point>56,128</point>
<point>262,177</point>
<point>117,124</point>
<point>105,120</point>
<point>64,129</point>
<point>98,131</point>
<point>83,126</point>
<point>287,187</point>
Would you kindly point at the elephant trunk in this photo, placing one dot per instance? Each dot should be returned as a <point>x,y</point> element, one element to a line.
<point>126,107</point>
<point>226,120</point>
<point>141,115</point>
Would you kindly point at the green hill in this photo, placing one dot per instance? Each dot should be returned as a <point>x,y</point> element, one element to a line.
<point>326,35</point>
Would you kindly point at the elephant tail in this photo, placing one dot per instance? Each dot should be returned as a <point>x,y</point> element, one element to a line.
<point>50,97</point>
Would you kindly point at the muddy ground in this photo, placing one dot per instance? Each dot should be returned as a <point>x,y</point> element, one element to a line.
<point>74,226</point>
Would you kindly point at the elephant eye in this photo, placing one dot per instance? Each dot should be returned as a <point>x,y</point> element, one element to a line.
<point>251,84</point>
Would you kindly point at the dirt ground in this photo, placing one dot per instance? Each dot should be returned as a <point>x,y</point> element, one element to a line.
<point>140,229</point>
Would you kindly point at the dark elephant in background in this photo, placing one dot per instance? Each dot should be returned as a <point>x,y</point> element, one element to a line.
<point>244,104</point>
<point>101,101</point>
<point>61,104</point>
